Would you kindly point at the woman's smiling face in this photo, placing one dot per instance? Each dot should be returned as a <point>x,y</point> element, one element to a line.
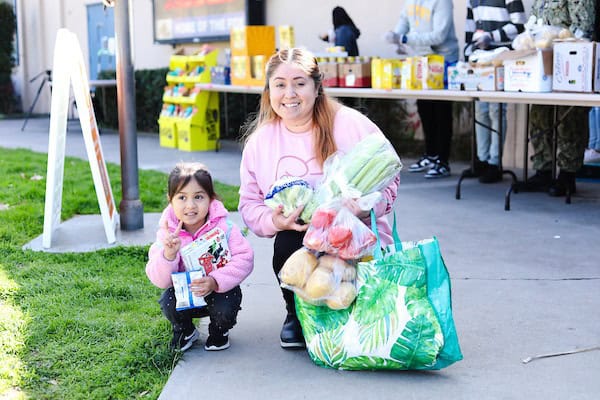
<point>292,94</point>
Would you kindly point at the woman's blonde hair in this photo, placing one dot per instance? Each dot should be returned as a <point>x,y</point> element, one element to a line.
<point>324,109</point>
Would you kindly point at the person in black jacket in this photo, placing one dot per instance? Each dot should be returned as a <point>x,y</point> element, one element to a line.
<point>344,32</point>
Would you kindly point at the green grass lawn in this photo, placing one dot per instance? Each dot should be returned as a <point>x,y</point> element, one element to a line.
<point>77,325</point>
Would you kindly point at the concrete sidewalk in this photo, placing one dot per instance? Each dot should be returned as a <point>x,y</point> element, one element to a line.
<point>525,282</point>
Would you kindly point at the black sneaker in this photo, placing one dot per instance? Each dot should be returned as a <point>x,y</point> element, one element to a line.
<point>565,180</point>
<point>476,171</point>
<point>291,334</point>
<point>217,342</point>
<point>439,170</point>
<point>540,182</point>
<point>424,163</point>
<point>182,342</point>
<point>491,175</point>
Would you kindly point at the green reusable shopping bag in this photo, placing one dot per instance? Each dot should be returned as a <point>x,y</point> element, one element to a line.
<point>401,319</point>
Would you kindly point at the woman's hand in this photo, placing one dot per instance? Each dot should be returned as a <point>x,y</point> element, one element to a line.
<point>171,241</point>
<point>203,286</point>
<point>288,223</point>
<point>352,205</point>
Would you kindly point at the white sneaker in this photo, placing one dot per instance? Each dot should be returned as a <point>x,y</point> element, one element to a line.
<point>423,164</point>
<point>438,170</point>
<point>591,156</point>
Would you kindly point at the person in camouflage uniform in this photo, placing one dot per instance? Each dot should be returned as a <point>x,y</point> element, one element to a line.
<point>578,16</point>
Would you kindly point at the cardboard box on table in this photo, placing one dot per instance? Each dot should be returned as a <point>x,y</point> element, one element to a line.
<point>488,78</point>
<point>573,69</point>
<point>355,72</point>
<point>411,73</point>
<point>251,48</point>
<point>432,71</point>
<point>527,70</point>
<point>386,73</point>
<point>252,40</point>
<point>329,69</point>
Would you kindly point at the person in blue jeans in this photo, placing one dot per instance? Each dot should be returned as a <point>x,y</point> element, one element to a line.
<point>592,153</point>
<point>489,24</point>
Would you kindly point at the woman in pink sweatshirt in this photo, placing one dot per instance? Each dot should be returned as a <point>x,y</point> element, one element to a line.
<point>297,127</point>
<point>194,210</point>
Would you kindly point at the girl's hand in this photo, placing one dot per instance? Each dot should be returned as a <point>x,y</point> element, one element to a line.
<point>171,241</point>
<point>288,223</point>
<point>203,286</point>
<point>352,205</point>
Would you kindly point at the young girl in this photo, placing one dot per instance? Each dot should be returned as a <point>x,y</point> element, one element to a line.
<point>192,211</point>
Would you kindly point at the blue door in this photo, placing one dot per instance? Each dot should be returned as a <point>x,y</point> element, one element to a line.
<point>101,39</point>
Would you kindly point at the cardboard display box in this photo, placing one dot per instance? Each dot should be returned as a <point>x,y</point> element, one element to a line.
<point>527,70</point>
<point>252,40</point>
<point>573,69</point>
<point>355,74</point>
<point>329,69</point>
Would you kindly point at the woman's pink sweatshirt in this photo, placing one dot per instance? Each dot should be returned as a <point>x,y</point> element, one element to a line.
<point>159,269</point>
<point>273,152</point>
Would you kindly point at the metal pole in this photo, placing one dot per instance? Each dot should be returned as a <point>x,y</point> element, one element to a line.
<point>131,208</point>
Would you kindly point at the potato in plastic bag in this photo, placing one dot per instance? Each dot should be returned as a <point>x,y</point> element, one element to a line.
<point>297,268</point>
<point>331,283</point>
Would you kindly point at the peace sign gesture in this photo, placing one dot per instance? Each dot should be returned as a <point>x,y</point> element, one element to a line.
<point>171,241</point>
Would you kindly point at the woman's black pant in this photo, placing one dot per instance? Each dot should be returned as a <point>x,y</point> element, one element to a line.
<point>436,117</point>
<point>286,243</point>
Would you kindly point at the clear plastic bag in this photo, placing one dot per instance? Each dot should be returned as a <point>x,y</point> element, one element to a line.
<point>369,167</point>
<point>336,231</point>
<point>324,280</point>
<point>290,192</point>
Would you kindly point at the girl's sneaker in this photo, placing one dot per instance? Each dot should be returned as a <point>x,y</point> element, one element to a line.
<point>439,170</point>
<point>217,342</point>
<point>424,163</point>
<point>182,342</point>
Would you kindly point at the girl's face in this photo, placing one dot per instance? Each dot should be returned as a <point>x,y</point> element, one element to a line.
<point>190,205</point>
<point>292,95</point>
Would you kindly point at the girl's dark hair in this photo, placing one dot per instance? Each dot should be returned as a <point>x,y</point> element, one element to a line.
<point>183,173</point>
<point>341,17</point>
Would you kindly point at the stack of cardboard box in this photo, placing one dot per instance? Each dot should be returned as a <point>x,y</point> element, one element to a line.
<point>251,47</point>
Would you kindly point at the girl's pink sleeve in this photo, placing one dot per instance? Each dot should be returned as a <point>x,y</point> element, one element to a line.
<point>255,213</point>
<point>240,265</point>
<point>158,268</point>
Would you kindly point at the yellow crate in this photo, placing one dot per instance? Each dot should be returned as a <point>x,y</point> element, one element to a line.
<point>202,131</point>
<point>167,131</point>
<point>252,40</point>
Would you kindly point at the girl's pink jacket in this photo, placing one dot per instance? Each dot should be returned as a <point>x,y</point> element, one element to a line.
<point>159,269</point>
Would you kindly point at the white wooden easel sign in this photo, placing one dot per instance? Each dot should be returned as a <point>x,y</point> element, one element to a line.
<point>69,71</point>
